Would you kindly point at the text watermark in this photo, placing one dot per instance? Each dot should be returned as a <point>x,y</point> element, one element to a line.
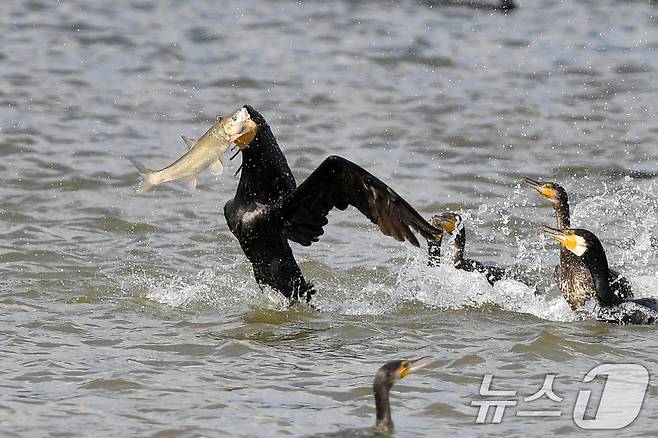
<point>618,406</point>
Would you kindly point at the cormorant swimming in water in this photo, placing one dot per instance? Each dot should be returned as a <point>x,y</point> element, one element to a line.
<point>571,275</point>
<point>385,377</point>
<point>269,209</point>
<point>452,223</point>
<point>613,307</point>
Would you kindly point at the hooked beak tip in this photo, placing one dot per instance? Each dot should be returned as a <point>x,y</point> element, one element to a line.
<point>553,232</point>
<point>435,221</point>
<point>531,182</point>
<point>420,363</point>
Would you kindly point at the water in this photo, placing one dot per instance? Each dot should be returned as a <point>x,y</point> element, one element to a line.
<point>133,315</point>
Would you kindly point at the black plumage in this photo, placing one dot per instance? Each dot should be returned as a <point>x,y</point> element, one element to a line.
<point>269,209</point>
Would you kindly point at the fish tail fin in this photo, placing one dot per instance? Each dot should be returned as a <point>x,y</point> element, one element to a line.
<point>149,180</point>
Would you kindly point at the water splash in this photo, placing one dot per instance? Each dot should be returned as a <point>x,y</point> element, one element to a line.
<point>625,217</point>
<point>445,287</point>
<point>628,208</point>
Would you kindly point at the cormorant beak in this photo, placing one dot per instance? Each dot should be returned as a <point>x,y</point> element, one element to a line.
<point>246,136</point>
<point>436,223</point>
<point>546,192</point>
<point>411,366</point>
<point>446,222</point>
<point>567,238</point>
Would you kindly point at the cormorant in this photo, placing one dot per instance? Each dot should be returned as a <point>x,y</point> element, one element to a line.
<point>613,306</point>
<point>385,377</point>
<point>571,276</point>
<point>269,209</point>
<point>452,223</point>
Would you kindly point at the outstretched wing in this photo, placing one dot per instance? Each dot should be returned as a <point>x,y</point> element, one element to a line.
<point>338,183</point>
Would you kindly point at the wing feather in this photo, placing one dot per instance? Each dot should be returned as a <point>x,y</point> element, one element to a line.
<point>339,183</point>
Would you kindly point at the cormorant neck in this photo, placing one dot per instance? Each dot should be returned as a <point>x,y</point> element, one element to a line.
<point>434,250</point>
<point>382,405</point>
<point>562,216</point>
<point>597,264</point>
<point>458,244</point>
<point>265,175</point>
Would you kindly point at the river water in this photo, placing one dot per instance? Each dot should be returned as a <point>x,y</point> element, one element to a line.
<point>137,315</point>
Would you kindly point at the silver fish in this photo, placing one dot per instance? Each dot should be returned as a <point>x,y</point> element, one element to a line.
<point>202,153</point>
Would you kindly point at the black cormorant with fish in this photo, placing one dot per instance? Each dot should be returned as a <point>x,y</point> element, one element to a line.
<point>269,209</point>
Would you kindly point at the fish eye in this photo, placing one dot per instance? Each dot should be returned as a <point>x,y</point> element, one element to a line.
<point>218,119</point>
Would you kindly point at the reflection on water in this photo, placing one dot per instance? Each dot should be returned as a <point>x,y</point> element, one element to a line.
<point>138,315</point>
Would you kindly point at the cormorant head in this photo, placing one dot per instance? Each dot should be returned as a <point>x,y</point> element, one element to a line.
<point>256,127</point>
<point>578,241</point>
<point>549,190</point>
<point>448,222</point>
<point>395,370</point>
<point>588,247</point>
<point>385,377</point>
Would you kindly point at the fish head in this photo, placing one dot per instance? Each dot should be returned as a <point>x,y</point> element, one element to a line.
<point>239,128</point>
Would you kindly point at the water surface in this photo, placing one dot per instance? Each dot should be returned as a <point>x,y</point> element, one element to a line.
<point>130,315</point>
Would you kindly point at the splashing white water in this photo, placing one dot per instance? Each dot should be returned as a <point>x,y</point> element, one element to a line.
<point>629,210</point>
<point>625,218</point>
<point>448,288</point>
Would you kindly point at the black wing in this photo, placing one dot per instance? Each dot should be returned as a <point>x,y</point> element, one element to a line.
<point>338,183</point>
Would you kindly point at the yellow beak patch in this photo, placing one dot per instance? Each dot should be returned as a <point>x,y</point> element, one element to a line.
<point>573,243</point>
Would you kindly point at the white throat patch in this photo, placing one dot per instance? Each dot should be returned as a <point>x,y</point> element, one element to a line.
<point>580,246</point>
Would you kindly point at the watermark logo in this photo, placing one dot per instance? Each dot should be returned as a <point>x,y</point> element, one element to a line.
<point>618,406</point>
<point>621,400</point>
